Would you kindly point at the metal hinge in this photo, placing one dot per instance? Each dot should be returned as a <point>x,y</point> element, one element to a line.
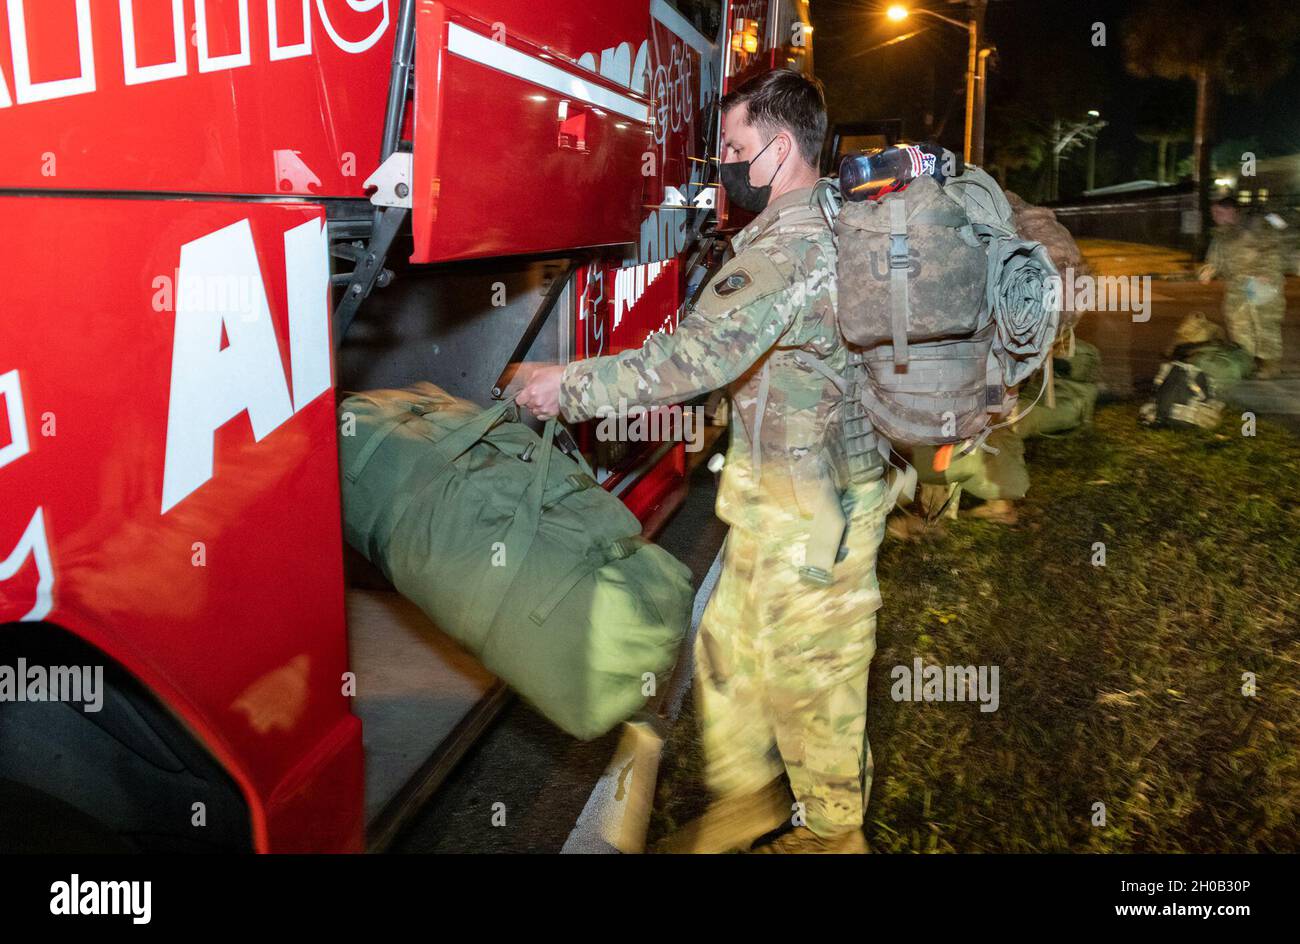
<point>393,181</point>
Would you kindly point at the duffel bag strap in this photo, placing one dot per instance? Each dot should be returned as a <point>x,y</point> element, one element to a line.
<point>522,532</point>
<point>574,482</point>
<point>461,439</point>
<point>596,558</point>
<point>377,438</point>
<point>900,313</point>
<point>446,451</point>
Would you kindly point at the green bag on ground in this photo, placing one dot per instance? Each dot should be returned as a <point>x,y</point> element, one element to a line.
<point>1000,476</point>
<point>1084,366</point>
<point>1075,402</point>
<point>511,548</point>
<point>1224,363</point>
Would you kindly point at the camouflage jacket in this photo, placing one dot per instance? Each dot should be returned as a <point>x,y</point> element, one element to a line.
<point>1247,251</point>
<point>777,295</point>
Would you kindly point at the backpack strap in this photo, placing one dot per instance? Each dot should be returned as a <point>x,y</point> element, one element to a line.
<point>826,195</point>
<point>825,534</point>
<point>760,407</point>
<point>900,312</point>
<point>862,450</point>
<point>819,365</point>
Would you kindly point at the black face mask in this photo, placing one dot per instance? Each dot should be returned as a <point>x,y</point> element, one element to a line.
<point>735,180</point>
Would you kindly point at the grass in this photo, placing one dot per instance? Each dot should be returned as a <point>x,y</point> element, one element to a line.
<point>1120,684</point>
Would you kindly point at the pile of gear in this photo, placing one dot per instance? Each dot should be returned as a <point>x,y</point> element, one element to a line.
<point>1192,385</point>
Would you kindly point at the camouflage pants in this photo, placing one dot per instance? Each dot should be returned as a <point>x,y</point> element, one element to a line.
<point>781,668</point>
<point>1256,326</point>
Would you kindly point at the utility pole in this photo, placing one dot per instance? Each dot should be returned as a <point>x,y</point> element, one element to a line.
<point>976,96</point>
<point>973,145</point>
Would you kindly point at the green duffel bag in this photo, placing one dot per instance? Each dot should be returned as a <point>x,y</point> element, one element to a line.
<point>1075,402</point>
<point>511,548</point>
<point>1084,366</point>
<point>1224,363</point>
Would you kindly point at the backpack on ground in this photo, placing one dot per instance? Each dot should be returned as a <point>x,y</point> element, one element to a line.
<point>1184,399</point>
<point>1075,402</point>
<point>1075,381</point>
<point>1225,363</point>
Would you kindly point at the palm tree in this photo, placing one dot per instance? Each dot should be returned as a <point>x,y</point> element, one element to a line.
<point>1236,48</point>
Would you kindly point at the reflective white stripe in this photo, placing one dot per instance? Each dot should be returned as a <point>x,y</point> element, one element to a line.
<point>499,56</point>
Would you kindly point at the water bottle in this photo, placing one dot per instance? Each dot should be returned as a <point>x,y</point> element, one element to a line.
<point>872,174</point>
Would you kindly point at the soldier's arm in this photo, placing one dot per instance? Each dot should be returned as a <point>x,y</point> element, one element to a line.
<point>1213,259</point>
<point>739,316</point>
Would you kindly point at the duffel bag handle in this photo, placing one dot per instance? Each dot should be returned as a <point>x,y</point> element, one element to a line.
<point>461,439</point>
<point>458,441</point>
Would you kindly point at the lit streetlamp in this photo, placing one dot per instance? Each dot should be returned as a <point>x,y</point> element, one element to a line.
<point>973,148</point>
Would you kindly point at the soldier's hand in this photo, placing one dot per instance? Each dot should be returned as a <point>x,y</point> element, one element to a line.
<point>539,388</point>
<point>1206,274</point>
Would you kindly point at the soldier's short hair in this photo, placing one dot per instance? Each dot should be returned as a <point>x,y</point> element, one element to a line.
<point>785,100</point>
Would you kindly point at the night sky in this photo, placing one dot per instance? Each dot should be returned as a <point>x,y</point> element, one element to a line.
<point>1046,67</point>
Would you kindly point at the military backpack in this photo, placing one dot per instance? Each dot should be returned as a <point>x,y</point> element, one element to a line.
<point>947,307</point>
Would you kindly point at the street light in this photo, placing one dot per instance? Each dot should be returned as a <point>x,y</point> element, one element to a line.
<point>898,12</point>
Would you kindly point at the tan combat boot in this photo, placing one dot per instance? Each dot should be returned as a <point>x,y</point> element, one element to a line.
<point>731,824</point>
<point>909,527</point>
<point>802,840</point>
<point>998,511</point>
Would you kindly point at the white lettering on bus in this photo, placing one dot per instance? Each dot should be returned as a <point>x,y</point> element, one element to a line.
<point>26,91</point>
<point>211,384</point>
<point>630,284</point>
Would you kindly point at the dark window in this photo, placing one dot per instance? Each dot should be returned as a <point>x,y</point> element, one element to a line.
<point>704,15</point>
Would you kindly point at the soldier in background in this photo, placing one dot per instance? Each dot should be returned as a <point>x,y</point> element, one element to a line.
<point>783,649</point>
<point>1249,256</point>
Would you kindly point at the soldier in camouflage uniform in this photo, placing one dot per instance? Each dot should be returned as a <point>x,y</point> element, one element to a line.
<point>1250,257</point>
<point>781,656</point>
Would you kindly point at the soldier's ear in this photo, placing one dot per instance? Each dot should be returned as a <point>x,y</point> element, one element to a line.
<point>785,146</point>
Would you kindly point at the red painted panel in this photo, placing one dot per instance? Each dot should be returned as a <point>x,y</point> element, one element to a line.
<point>498,165</point>
<point>230,603</point>
<point>259,116</point>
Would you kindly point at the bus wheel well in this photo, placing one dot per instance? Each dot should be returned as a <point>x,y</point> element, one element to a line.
<point>104,765</point>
